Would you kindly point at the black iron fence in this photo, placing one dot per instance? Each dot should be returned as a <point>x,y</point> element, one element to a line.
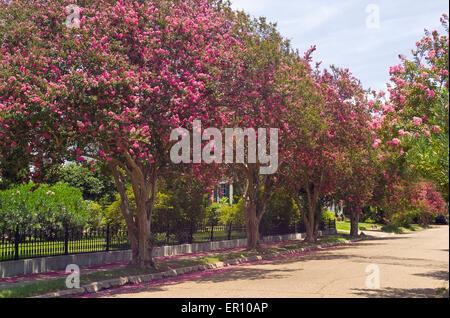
<point>16,244</point>
<point>329,225</point>
<point>298,227</point>
<point>29,244</point>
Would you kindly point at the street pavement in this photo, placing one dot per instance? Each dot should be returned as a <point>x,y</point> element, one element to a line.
<point>410,265</point>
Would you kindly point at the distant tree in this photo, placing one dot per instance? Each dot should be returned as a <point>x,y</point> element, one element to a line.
<point>95,185</point>
<point>327,127</point>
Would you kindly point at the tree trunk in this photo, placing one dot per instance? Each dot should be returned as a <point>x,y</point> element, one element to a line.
<point>254,206</point>
<point>251,219</point>
<point>310,226</point>
<point>138,224</point>
<point>252,226</point>
<point>354,220</point>
<point>144,256</point>
<point>310,237</point>
<point>307,216</point>
<point>317,219</point>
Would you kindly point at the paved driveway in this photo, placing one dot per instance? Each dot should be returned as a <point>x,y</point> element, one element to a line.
<point>410,265</point>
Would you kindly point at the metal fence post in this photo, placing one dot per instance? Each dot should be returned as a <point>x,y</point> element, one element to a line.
<point>212,232</point>
<point>168,233</point>
<point>16,243</point>
<point>108,239</point>
<point>229,230</point>
<point>191,233</point>
<point>66,240</point>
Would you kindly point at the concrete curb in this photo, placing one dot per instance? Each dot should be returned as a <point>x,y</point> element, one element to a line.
<point>117,282</point>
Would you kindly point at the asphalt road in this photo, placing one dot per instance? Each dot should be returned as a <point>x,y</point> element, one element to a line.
<point>410,265</point>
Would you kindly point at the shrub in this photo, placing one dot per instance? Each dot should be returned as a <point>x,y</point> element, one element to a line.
<point>215,211</point>
<point>281,212</point>
<point>49,208</point>
<point>369,220</point>
<point>328,216</point>
<point>96,215</point>
<point>409,203</point>
<point>233,214</point>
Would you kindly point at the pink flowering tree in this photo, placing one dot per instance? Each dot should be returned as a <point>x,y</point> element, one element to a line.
<point>356,182</point>
<point>108,81</point>
<point>409,202</point>
<point>255,101</point>
<point>415,118</point>
<point>328,125</point>
<point>431,202</point>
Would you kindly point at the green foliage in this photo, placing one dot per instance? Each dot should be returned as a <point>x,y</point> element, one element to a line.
<point>49,208</point>
<point>369,220</point>
<point>233,214</point>
<point>375,214</point>
<point>96,215</point>
<point>216,210</point>
<point>113,214</point>
<point>328,216</point>
<point>419,90</point>
<point>94,185</point>
<point>14,166</point>
<point>180,203</point>
<point>223,213</point>
<point>281,211</point>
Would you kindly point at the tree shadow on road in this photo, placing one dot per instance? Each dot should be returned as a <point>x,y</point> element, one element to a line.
<point>233,273</point>
<point>385,238</point>
<point>399,293</point>
<point>439,275</point>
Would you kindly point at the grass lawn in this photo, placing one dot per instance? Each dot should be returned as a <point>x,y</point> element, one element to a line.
<point>401,229</point>
<point>345,226</point>
<point>46,286</point>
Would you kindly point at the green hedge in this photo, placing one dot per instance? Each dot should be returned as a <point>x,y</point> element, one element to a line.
<point>39,206</point>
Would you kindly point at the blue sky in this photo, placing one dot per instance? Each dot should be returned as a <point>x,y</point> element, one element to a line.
<point>339,29</point>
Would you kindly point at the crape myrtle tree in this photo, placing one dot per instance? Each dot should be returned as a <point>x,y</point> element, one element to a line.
<point>255,101</point>
<point>411,128</point>
<point>360,167</point>
<point>113,88</point>
<point>415,119</point>
<point>356,182</point>
<point>327,124</point>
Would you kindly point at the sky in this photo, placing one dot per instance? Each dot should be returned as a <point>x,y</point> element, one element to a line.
<point>364,36</point>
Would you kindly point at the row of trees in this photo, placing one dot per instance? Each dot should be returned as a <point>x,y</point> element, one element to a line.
<point>112,90</point>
